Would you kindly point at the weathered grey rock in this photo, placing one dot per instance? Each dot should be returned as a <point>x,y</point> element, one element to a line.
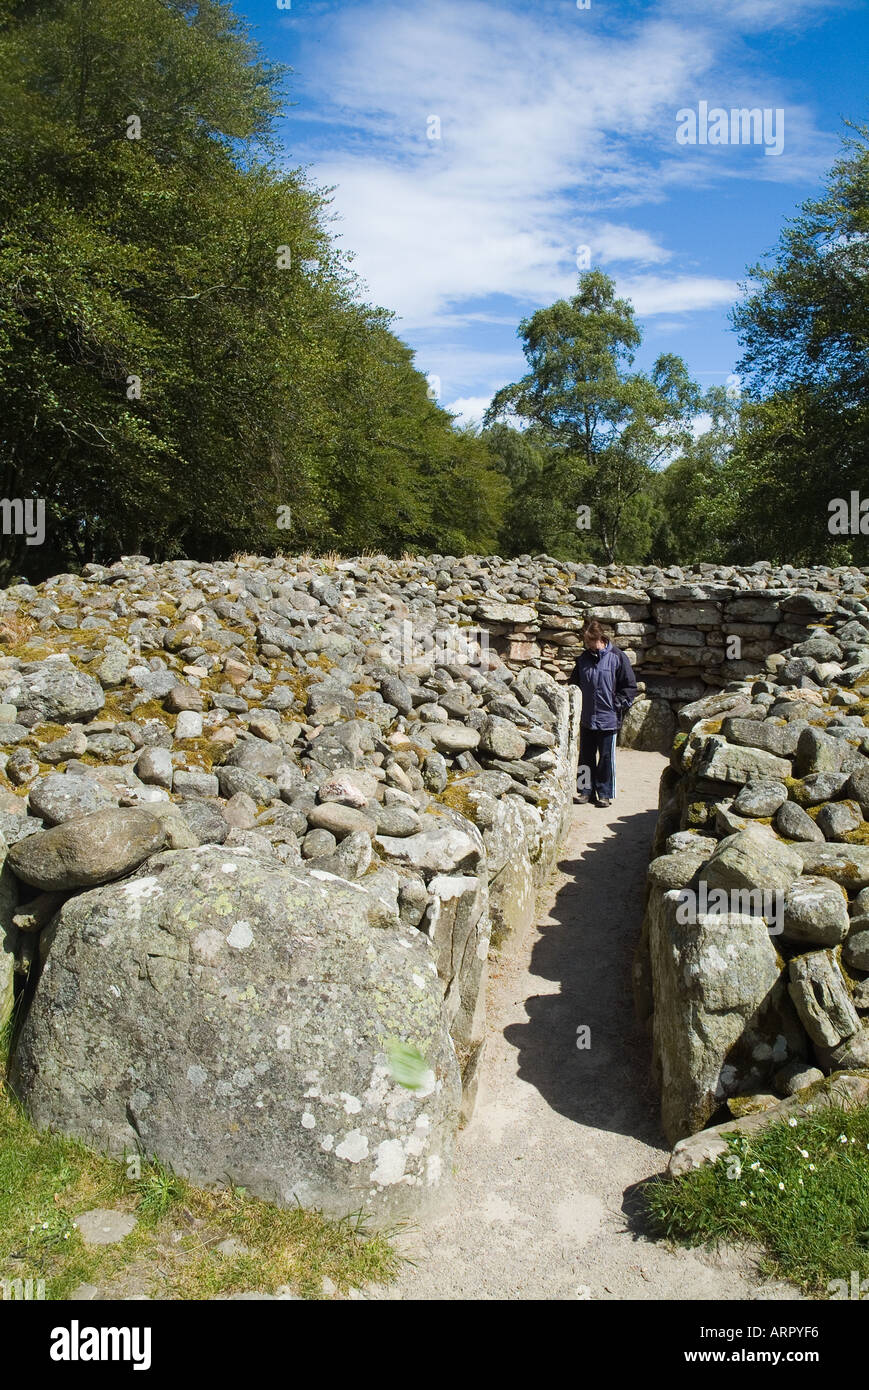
<point>154,767</point>
<point>397,820</point>
<point>340,820</point>
<point>351,859</point>
<point>857,788</point>
<point>851,1053</point>
<point>188,725</point>
<point>72,745</point>
<point>89,850</point>
<point>760,799</point>
<point>255,755</point>
<point>8,936</point>
<point>818,752</point>
<point>795,1076</point>
<point>820,995</point>
<point>855,951</point>
<point>190,783</point>
<point>240,811</point>
<point>57,691</point>
<point>237,779</point>
<point>726,762</point>
<point>709,979</point>
<point>780,740</point>
<point>844,864</point>
<point>318,843</point>
<point>434,773</point>
<point>753,858</point>
<point>458,926</point>
<point>62,796</point>
<point>102,1226</point>
<point>815,911</point>
<point>254,1035</point>
<point>818,787</point>
<point>205,821</point>
<point>649,725</point>
<point>838,819</point>
<point>793,822</point>
<point>442,848</point>
<point>842,1091</point>
<point>454,738</point>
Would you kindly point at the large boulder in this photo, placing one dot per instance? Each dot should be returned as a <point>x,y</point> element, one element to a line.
<point>56,690</point>
<point>649,725</point>
<point>753,859</point>
<point>8,936</point>
<point>711,979</point>
<point>726,762</point>
<point>245,1022</point>
<point>89,850</point>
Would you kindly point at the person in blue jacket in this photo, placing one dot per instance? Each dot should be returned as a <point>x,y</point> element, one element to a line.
<point>609,688</point>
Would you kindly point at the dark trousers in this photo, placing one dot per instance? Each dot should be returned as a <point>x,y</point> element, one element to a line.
<point>597,762</point>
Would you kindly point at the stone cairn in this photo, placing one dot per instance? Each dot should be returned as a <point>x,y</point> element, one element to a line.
<point>262,822</point>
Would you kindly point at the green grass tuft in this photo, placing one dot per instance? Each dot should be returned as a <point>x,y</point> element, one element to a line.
<point>799,1191</point>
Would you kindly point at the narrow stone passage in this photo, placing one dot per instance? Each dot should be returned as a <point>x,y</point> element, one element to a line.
<point>561,1134</point>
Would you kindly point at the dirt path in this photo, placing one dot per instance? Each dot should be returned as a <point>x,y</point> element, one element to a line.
<point>561,1135</point>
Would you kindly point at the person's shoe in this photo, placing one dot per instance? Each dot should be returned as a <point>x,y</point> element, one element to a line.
<point>583,798</point>
<point>604,801</point>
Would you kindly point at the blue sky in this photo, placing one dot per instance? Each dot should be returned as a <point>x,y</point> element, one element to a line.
<point>558,130</point>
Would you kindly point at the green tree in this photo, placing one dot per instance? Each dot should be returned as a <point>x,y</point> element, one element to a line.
<point>182,351</point>
<point>805,332</point>
<point>611,426</point>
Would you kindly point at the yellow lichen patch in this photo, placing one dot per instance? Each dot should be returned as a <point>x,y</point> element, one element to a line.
<point>860,836</point>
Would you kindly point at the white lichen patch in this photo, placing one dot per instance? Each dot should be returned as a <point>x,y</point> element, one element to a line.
<point>418,980</point>
<point>197,1076</point>
<point>241,936</point>
<point>352,1105</point>
<point>353,1147</point>
<point>391,1163</point>
<point>143,888</point>
<point>207,945</point>
<point>433,1170</point>
<point>285,1040</point>
<point>308,1121</point>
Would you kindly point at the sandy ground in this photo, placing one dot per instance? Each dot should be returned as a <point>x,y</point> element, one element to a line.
<point>548,1169</point>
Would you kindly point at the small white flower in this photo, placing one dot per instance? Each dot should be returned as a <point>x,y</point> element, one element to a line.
<point>781,1187</point>
<point>811,1167</point>
<point>792,1122</point>
<point>743,1204</point>
<point>843,1139</point>
<point>804,1152</point>
<point>757,1165</point>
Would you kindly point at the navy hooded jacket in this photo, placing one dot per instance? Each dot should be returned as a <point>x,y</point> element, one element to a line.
<point>608,686</point>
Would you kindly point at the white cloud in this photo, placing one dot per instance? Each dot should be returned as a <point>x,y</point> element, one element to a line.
<point>651,294</point>
<point>469,409</point>
<point>553,132</point>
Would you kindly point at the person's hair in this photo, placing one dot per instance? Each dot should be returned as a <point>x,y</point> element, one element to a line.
<point>593,629</point>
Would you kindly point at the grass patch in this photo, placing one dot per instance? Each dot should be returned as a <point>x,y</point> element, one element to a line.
<point>46,1180</point>
<point>799,1191</point>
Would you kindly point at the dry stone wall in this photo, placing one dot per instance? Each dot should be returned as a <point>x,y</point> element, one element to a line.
<point>263,821</point>
<point>255,849</point>
<point>753,969</point>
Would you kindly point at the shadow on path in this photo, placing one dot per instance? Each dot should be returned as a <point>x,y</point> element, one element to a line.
<point>587,946</point>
